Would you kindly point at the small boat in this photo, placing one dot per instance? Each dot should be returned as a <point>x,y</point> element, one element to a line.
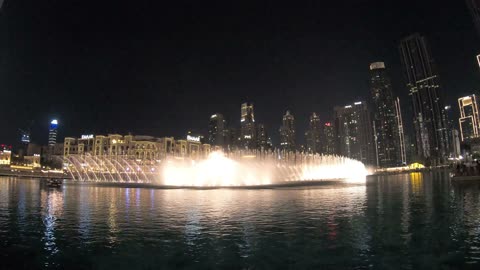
<point>54,182</point>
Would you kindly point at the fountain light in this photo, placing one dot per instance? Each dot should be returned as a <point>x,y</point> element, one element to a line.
<point>218,170</point>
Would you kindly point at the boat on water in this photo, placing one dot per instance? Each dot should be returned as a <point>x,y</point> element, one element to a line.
<point>54,182</point>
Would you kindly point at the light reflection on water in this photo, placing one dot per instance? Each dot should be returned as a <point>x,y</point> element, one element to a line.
<point>405,221</point>
<point>52,210</point>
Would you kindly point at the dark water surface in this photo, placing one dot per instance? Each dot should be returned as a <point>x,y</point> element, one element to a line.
<point>410,221</point>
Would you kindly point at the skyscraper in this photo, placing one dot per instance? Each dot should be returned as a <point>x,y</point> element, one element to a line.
<point>262,137</point>
<point>401,132</point>
<point>385,118</point>
<point>52,133</point>
<point>329,136</point>
<point>469,120</point>
<point>314,134</point>
<point>422,79</point>
<point>478,60</point>
<point>287,132</point>
<point>474,7</point>
<point>354,134</point>
<point>247,122</point>
<point>231,139</point>
<point>453,133</point>
<point>216,130</point>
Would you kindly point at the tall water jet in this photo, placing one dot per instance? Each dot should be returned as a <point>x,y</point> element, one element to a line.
<point>233,169</point>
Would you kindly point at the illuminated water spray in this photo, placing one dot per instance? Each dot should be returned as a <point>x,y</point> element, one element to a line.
<point>218,170</point>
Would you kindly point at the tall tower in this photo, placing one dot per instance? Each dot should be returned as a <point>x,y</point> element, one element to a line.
<point>385,117</point>
<point>354,132</point>
<point>262,137</point>
<point>314,134</point>
<point>216,130</point>
<point>423,83</point>
<point>469,120</point>
<point>329,135</point>
<point>247,122</point>
<point>52,133</point>
<point>287,132</point>
<point>478,60</point>
<point>401,132</point>
<point>474,7</point>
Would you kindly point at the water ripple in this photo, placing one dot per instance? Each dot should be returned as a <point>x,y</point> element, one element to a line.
<point>406,221</point>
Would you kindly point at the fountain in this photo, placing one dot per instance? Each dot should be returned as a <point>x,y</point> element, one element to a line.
<point>234,169</point>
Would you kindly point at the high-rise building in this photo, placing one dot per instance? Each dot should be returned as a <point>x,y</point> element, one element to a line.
<point>52,133</point>
<point>453,133</point>
<point>456,150</point>
<point>329,136</point>
<point>262,137</point>
<point>216,130</point>
<point>232,140</point>
<point>25,140</point>
<point>478,60</point>
<point>247,122</point>
<point>422,79</point>
<point>314,134</point>
<point>474,7</point>
<point>269,143</point>
<point>469,120</point>
<point>287,132</point>
<point>385,118</point>
<point>401,132</point>
<point>354,134</point>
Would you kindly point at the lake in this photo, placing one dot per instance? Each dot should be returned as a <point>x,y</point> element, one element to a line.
<point>408,221</point>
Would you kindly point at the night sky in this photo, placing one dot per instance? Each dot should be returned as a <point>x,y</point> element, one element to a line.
<point>162,68</point>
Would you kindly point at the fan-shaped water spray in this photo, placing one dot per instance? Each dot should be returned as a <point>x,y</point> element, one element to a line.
<point>217,170</point>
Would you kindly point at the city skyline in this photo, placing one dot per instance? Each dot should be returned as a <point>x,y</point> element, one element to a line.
<point>240,134</point>
<point>302,75</point>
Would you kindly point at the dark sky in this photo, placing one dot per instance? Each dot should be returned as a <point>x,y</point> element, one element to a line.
<point>163,67</point>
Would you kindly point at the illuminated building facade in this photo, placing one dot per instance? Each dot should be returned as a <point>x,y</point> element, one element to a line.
<point>401,132</point>
<point>453,133</point>
<point>247,123</point>
<point>52,133</point>
<point>329,139</point>
<point>431,136</point>
<point>387,122</point>
<point>314,134</point>
<point>216,130</point>
<point>262,137</point>
<point>232,139</point>
<point>144,148</point>
<point>469,121</point>
<point>456,150</point>
<point>474,7</point>
<point>5,154</point>
<point>287,132</point>
<point>354,134</point>
<point>25,137</point>
<point>32,161</point>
